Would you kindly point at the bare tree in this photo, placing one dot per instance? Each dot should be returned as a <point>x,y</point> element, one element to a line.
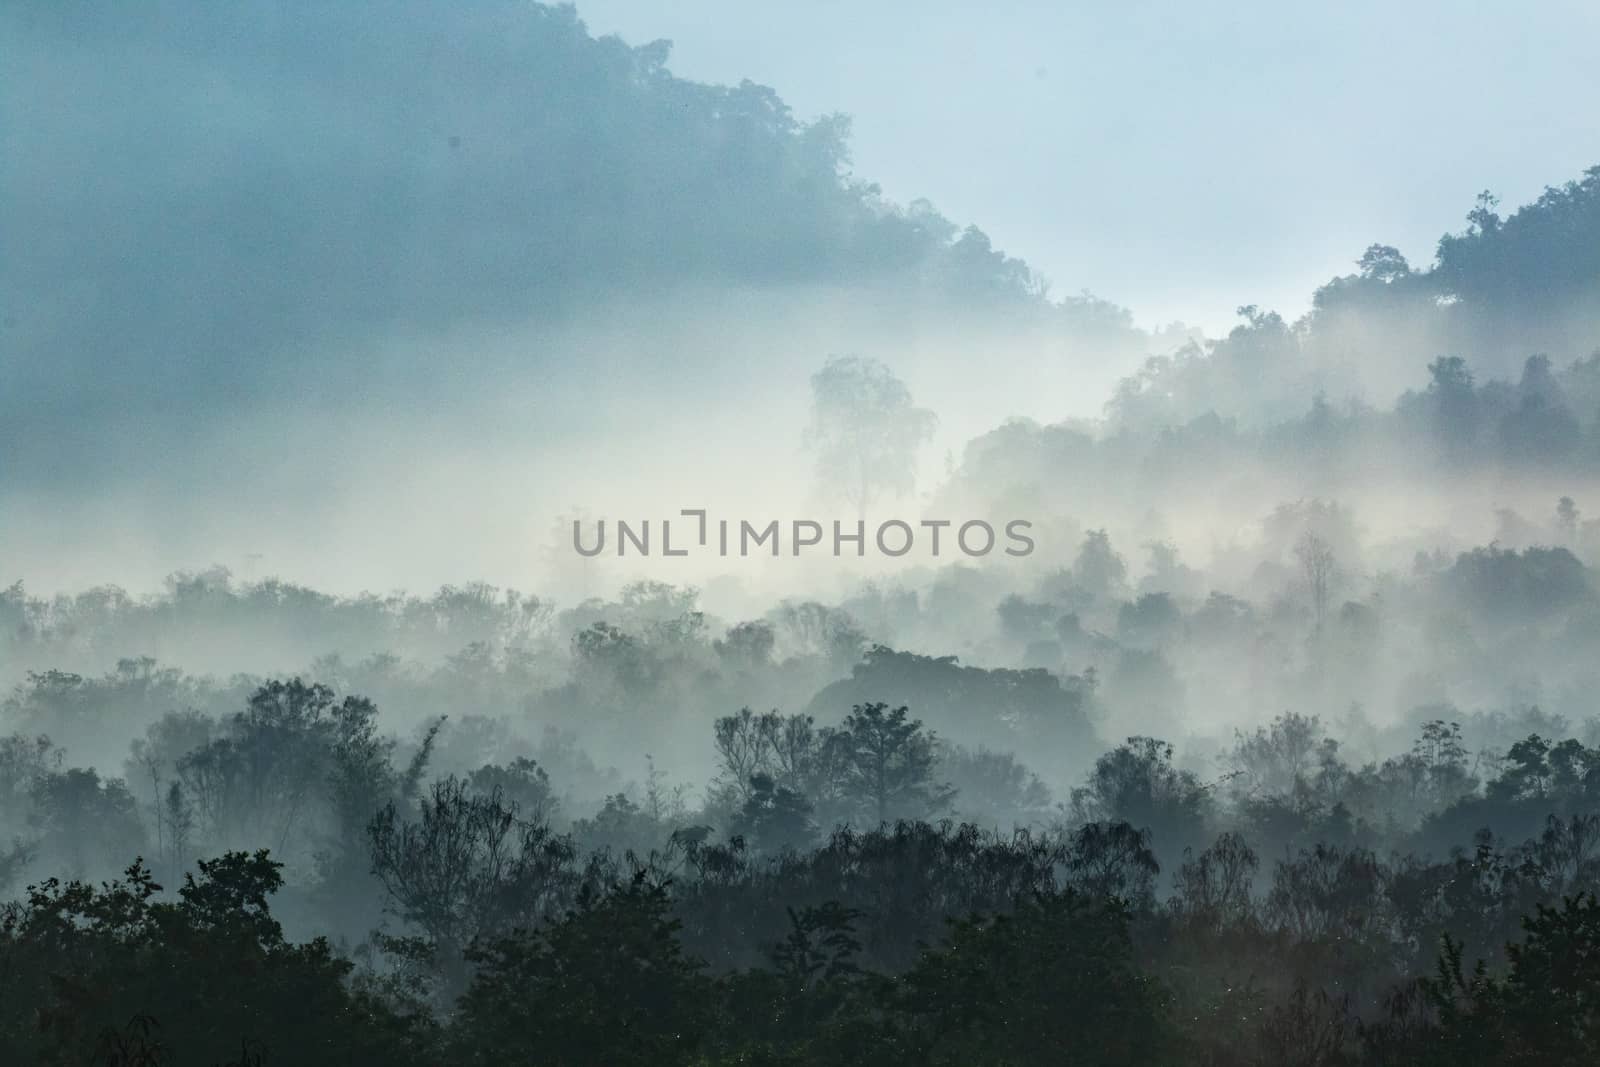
<point>1214,888</point>
<point>1319,573</point>
<point>468,868</point>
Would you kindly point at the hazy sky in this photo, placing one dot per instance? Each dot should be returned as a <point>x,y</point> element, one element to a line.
<point>287,252</point>
<point>1178,158</point>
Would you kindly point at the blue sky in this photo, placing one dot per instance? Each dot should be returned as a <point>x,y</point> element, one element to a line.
<point>1178,158</point>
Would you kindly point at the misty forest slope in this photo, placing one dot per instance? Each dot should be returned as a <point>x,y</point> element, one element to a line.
<point>1287,724</point>
<point>202,192</point>
<point>206,205</point>
<point>412,264</point>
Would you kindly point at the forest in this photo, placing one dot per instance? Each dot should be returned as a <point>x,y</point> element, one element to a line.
<point>1278,747</point>
<point>1345,813</point>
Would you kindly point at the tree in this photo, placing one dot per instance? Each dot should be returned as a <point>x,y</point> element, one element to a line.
<point>747,645</point>
<point>775,817</point>
<point>13,859</point>
<point>1327,892</point>
<point>1455,405</point>
<point>994,788</point>
<point>1054,982</point>
<point>1319,573</point>
<point>1152,621</point>
<point>607,659</point>
<point>1033,709</point>
<point>1113,859</point>
<point>155,757</point>
<point>891,764</point>
<point>1443,756</point>
<point>813,761</point>
<point>820,947</point>
<point>1136,783</point>
<point>361,779</point>
<point>1098,568</point>
<point>1541,1012</point>
<point>742,742</point>
<point>176,816</point>
<point>85,818</point>
<point>522,783</point>
<point>1552,995</point>
<point>1506,585</point>
<point>608,983</point>
<point>1567,516</point>
<point>1540,430</point>
<point>810,629</point>
<point>23,761</point>
<point>263,778</point>
<point>1214,888</point>
<point>212,969</point>
<point>1383,263</point>
<point>798,1006</point>
<point>865,430</point>
<point>805,765</point>
<point>1278,759</point>
<point>468,867</point>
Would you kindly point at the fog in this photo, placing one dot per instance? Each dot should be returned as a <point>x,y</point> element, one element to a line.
<point>354,365</point>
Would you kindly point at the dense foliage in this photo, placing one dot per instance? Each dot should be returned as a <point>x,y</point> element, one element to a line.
<point>1330,797</point>
<point>1275,915</point>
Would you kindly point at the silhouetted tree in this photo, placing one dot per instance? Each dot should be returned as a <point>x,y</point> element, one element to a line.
<point>468,868</point>
<point>608,983</point>
<point>891,764</point>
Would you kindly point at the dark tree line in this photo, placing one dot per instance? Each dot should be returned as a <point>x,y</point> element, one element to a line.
<point>1265,916</point>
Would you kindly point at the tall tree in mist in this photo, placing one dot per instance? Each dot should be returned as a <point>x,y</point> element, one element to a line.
<point>1319,572</point>
<point>1455,405</point>
<point>1098,569</point>
<point>1383,263</point>
<point>892,763</point>
<point>865,430</point>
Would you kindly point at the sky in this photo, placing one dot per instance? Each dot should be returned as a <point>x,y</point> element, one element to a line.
<point>1180,159</point>
<point>231,225</point>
